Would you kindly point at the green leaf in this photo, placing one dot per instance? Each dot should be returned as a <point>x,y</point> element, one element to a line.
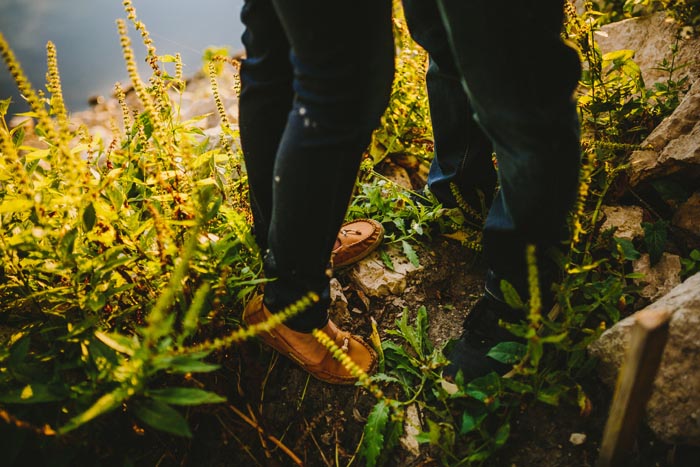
<point>68,241</point>
<point>502,435</point>
<point>96,300</point>
<point>114,257</point>
<point>145,121</point>
<point>626,249</point>
<point>185,364</point>
<point>516,386</point>
<point>162,417</point>
<point>392,436</point>
<point>191,318</point>
<point>104,404</point>
<point>622,54</point>
<point>373,442</point>
<point>18,134</point>
<point>185,396</point>
<point>470,422</point>
<point>400,358</point>
<point>89,217</point>
<point>19,350</point>
<point>422,331</point>
<point>409,333</point>
<point>417,228</point>
<point>483,387</point>
<point>655,238</point>
<point>30,394</point>
<point>536,352</point>
<point>410,253</point>
<point>554,338</point>
<point>479,456</point>
<point>386,259</point>
<point>507,352</point>
<point>118,342</point>
<point>431,436</point>
<point>16,205</point>
<point>551,395</point>
<point>511,296</point>
<point>384,378</point>
<point>4,105</point>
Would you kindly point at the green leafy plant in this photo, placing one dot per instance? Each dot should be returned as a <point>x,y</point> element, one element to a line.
<point>117,258</point>
<point>408,216</point>
<point>463,422</point>
<point>405,127</point>
<point>691,264</point>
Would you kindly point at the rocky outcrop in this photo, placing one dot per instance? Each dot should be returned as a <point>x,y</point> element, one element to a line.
<point>671,151</point>
<point>673,148</point>
<point>651,38</point>
<point>673,411</point>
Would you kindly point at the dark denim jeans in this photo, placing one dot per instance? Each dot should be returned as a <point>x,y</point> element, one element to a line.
<point>517,78</point>
<point>316,79</point>
<point>462,150</point>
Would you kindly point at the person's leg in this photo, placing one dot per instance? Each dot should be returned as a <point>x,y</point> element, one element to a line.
<point>304,127</point>
<point>462,151</point>
<point>520,77</point>
<point>337,60</point>
<point>264,104</point>
<point>266,99</point>
<point>342,56</point>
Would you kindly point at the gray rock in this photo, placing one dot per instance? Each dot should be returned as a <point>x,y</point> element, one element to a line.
<point>651,38</point>
<point>577,439</point>
<point>661,278</point>
<point>673,411</point>
<point>673,146</point>
<point>412,428</point>
<point>397,175</point>
<point>626,219</point>
<point>373,278</point>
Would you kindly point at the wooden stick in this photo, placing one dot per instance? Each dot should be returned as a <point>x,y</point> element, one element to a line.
<point>634,385</point>
<point>274,440</point>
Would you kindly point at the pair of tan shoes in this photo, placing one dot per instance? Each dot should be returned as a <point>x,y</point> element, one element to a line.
<point>355,241</point>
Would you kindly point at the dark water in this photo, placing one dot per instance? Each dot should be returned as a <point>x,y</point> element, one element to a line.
<point>85,34</point>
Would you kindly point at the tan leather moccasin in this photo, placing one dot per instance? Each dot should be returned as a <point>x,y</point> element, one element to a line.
<point>327,369</point>
<point>355,241</point>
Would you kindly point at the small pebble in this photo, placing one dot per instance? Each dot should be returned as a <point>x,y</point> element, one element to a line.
<point>577,439</point>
